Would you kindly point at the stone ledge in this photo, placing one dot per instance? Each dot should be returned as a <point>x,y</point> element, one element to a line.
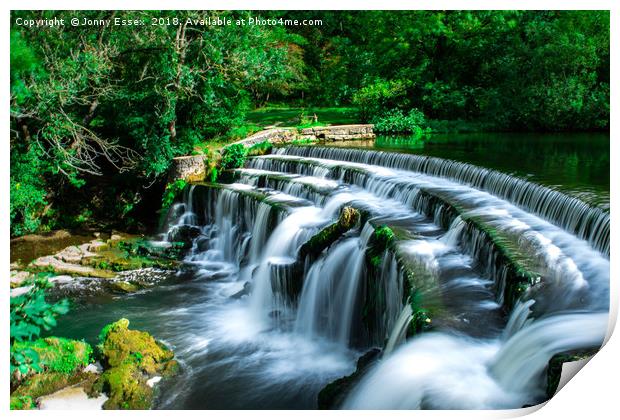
<point>194,168</point>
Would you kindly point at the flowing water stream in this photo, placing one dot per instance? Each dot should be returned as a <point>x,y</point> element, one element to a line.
<point>256,326</point>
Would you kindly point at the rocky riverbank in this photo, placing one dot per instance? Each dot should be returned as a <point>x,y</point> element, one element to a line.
<point>120,374</point>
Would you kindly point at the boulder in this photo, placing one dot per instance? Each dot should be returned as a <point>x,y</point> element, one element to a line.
<point>131,358</point>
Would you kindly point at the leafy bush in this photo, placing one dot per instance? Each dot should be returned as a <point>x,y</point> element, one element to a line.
<point>375,99</point>
<point>30,315</point>
<point>171,192</point>
<point>396,122</point>
<point>233,156</point>
<point>28,194</point>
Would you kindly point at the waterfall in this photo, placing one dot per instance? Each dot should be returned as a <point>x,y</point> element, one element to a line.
<point>397,335</point>
<point>525,355</point>
<point>587,222</point>
<point>441,371</point>
<point>281,248</point>
<point>463,239</point>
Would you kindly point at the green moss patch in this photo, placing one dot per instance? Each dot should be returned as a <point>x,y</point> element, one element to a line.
<point>348,219</point>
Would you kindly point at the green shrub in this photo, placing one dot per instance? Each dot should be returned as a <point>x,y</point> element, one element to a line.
<point>397,122</point>
<point>171,192</point>
<point>375,99</point>
<point>30,315</point>
<point>233,156</point>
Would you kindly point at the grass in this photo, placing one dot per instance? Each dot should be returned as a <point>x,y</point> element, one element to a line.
<point>292,117</point>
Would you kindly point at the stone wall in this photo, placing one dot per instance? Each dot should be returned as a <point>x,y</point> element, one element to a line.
<point>189,168</point>
<point>331,133</point>
<point>193,168</point>
<point>339,132</point>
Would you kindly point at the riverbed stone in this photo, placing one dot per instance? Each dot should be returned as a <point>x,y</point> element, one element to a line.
<point>58,266</point>
<point>18,277</point>
<point>71,398</point>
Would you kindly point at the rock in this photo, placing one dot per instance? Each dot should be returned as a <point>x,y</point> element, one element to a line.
<point>71,254</point>
<point>96,246</point>
<point>18,277</point>
<point>18,291</point>
<point>124,287</point>
<point>94,368</point>
<point>154,380</point>
<point>247,288</point>
<point>131,358</point>
<point>72,398</point>
<point>63,279</point>
<point>332,395</point>
<point>184,234</point>
<point>347,220</point>
<point>51,263</point>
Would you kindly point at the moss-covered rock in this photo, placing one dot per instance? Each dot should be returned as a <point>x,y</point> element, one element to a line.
<point>554,368</point>
<point>46,383</point>
<point>124,286</point>
<point>58,354</point>
<point>24,402</point>
<point>348,219</point>
<point>131,357</point>
<point>381,239</point>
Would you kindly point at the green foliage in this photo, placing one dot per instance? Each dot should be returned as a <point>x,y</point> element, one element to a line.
<point>28,194</point>
<point>242,131</point>
<point>396,122</point>
<point>382,96</point>
<point>30,315</point>
<point>172,192</point>
<point>303,142</point>
<point>289,116</point>
<point>233,156</point>
<point>88,104</point>
<point>58,354</point>
<point>260,149</point>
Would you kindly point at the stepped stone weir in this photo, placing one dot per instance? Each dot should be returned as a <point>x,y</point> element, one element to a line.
<point>357,249</point>
<point>587,222</point>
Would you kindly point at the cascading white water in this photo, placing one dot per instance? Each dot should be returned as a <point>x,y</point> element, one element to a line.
<point>442,371</point>
<point>281,247</point>
<point>398,334</point>
<point>331,291</point>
